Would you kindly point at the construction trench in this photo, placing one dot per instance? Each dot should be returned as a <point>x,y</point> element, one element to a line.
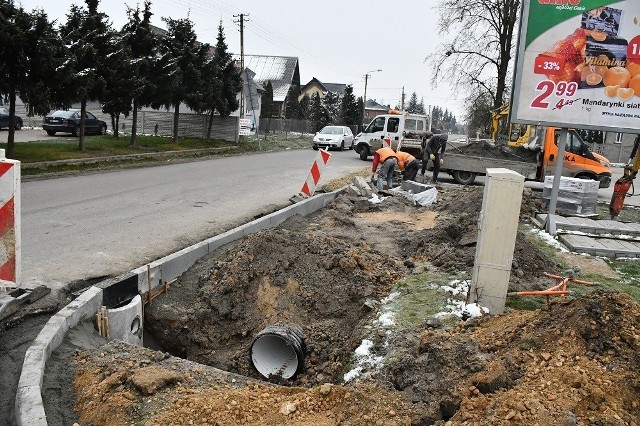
<point>355,311</point>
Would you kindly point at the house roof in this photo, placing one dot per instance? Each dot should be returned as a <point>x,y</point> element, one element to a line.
<point>282,71</point>
<point>326,87</point>
<point>373,105</point>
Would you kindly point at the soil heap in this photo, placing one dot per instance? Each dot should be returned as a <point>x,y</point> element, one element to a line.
<point>574,361</point>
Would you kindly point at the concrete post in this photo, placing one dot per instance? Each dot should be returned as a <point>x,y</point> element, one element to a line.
<point>497,229</point>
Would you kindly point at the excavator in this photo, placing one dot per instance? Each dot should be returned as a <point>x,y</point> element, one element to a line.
<point>623,184</point>
<point>519,134</point>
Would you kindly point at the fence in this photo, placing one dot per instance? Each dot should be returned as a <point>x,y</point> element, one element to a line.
<point>285,125</point>
<point>160,123</point>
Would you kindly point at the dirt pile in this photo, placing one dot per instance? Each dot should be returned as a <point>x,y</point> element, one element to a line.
<point>331,273</point>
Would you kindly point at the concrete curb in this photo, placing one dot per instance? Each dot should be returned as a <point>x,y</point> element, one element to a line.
<point>172,154</point>
<point>29,406</point>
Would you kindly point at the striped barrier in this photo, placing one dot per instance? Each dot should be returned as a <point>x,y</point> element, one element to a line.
<point>9,222</point>
<point>319,164</point>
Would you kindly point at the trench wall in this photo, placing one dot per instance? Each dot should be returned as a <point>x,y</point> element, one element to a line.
<point>116,292</point>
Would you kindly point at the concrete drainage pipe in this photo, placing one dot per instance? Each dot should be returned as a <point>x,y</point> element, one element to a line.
<point>278,351</point>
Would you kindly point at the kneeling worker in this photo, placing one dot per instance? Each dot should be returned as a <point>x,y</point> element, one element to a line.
<point>386,158</point>
<point>408,164</point>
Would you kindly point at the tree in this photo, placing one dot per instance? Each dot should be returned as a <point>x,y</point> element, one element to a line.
<point>221,82</point>
<point>30,54</point>
<point>120,82</point>
<point>304,106</point>
<point>181,62</point>
<point>318,114</point>
<point>266,104</point>
<point>349,108</point>
<point>478,114</point>
<point>420,107</point>
<point>142,44</point>
<point>87,33</point>
<point>331,106</point>
<point>360,106</point>
<point>479,55</point>
<point>292,105</point>
<point>413,104</point>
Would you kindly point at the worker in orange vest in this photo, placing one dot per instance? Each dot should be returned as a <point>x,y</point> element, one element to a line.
<point>386,158</point>
<point>408,164</point>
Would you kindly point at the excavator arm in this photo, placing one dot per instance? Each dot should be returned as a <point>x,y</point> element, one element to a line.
<point>622,185</point>
<point>497,115</point>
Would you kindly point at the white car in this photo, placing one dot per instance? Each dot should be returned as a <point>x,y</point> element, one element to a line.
<point>339,137</point>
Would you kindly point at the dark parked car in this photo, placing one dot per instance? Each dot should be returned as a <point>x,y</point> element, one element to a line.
<point>69,122</point>
<point>4,119</point>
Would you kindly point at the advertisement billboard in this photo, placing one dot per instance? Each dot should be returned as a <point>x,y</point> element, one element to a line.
<point>578,65</point>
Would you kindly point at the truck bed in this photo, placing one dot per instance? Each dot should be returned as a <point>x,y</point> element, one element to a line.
<point>476,164</point>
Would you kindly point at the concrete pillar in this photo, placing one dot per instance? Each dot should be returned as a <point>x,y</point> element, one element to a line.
<point>497,229</point>
<point>126,322</point>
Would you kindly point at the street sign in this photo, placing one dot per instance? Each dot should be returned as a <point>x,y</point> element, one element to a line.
<point>578,65</point>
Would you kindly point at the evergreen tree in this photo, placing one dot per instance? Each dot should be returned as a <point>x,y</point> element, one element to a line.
<point>304,106</point>
<point>420,107</point>
<point>87,33</point>
<point>31,53</point>
<point>120,83</point>
<point>348,108</point>
<point>266,104</point>
<point>292,105</point>
<point>360,109</point>
<point>221,82</point>
<point>318,114</point>
<point>413,103</point>
<point>142,44</point>
<point>331,106</point>
<point>181,65</point>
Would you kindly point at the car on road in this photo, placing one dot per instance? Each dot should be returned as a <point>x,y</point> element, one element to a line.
<point>339,137</point>
<point>69,122</point>
<point>4,119</point>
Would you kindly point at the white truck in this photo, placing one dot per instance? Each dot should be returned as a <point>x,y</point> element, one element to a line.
<point>403,129</point>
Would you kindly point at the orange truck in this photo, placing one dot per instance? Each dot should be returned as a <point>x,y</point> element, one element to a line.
<point>579,161</point>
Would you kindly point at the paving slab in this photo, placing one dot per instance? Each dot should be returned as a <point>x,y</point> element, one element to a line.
<point>591,226</point>
<point>598,246</point>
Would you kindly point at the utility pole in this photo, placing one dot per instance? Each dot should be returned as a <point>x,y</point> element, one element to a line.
<point>402,109</point>
<point>241,19</point>
<point>364,101</point>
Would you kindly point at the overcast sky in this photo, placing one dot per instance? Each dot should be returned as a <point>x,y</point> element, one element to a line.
<point>336,41</point>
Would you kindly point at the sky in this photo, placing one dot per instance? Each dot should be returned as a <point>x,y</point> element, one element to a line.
<point>336,41</point>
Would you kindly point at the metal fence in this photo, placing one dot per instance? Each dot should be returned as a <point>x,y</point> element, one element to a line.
<point>160,123</point>
<point>285,125</point>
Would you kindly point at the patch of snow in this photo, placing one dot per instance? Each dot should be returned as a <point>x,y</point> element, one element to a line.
<point>547,238</point>
<point>456,307</point>
<point>375,199</point>
<point>364,358</point>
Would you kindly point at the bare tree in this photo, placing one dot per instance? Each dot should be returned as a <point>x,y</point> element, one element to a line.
<point>477,58</point>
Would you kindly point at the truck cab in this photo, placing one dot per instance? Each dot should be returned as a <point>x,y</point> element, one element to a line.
<point>389,129</point>
<point>579,161</point>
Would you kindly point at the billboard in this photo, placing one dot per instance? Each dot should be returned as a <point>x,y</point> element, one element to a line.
<point>578,65</point>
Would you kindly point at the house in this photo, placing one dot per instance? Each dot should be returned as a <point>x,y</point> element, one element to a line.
<point>373,108</point>
<point>316,86</point>
<point>282,71</point>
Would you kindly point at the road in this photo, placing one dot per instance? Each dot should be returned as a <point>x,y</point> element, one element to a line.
<point>92,226</point>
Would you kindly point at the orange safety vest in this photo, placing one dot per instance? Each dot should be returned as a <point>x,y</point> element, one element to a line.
<point>404,158</point>
<point>385,153</point>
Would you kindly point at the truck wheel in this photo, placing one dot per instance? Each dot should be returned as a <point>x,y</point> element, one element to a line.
<point>364,153</point>
<point>585,176</point>
<point>464,177</point>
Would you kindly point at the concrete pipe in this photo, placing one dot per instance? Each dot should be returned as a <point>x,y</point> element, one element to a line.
<point>278,351</point>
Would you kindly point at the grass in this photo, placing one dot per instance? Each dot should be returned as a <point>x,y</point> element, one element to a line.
<point>97,147</point>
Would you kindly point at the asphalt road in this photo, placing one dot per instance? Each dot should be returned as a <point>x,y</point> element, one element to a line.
<point>83,227</point>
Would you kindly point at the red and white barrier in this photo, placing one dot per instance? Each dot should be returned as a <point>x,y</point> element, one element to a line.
<point>10,247</point>
<point>320,163</point>
<point>387,141</point>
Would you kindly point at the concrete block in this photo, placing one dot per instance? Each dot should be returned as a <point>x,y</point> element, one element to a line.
<point>29,408</point>
<point>52,334</point>
<point>126,322</point>
<point>33,366</point>
<point>415,187</point>
<point>220,240</point>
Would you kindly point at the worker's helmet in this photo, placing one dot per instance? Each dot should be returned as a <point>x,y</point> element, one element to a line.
<point>428,135</point>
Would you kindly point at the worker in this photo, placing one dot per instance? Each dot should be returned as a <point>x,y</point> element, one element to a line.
<point>408,164</point>
<point>386,158</point>
<point>433,149</point>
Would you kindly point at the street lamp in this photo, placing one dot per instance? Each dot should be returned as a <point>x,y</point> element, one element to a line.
<point>364,101</point>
